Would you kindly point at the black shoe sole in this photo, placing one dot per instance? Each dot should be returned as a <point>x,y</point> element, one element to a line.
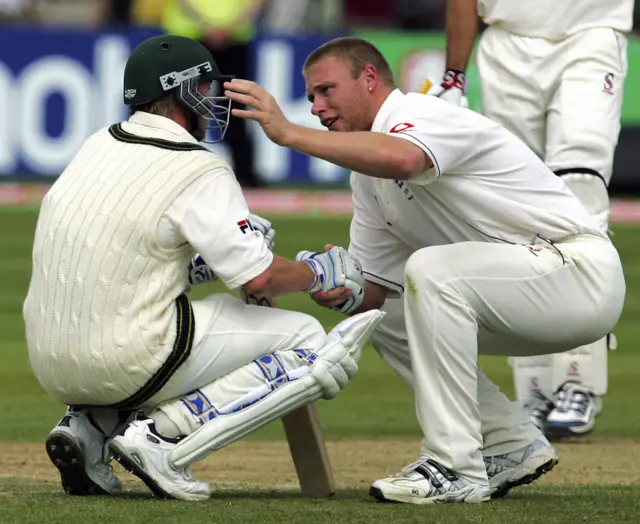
<point>528,479</point>
<point>377,494</point>
<point>67,456</point>
<point>133,467</point>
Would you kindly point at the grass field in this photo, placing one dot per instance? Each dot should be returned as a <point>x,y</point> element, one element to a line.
<point>371,430</point>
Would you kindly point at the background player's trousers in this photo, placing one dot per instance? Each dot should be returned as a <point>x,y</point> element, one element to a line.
<point>564,100</point>
<point>473,297</point>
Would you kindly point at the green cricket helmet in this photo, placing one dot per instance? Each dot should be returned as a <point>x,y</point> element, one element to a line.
<point>163,63</point>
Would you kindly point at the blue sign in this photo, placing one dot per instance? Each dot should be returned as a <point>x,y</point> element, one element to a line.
<point>58,86</point>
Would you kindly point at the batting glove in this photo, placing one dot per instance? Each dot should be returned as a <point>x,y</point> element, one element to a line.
<point>452,88</point>
<point>335,268</point>
<point>264,226</point>
<point>199,272</point>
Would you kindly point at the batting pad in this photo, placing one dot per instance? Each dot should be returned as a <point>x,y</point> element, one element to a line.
<point>323,375</point>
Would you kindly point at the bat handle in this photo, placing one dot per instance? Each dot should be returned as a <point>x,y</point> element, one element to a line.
<point>425,87</point>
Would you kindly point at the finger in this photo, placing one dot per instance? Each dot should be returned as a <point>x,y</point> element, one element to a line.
<point>243,86</point>
<point>331,303</point>
<point>247,115</point>
<point>328,247</point>
<point>247,100</point>
<point>337,293</point>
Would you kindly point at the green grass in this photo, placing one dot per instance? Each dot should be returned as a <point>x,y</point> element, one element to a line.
<point>539,506</point>
<point>376,405</point>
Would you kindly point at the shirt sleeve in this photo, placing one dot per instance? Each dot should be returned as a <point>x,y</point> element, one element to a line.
<point>445,132</point>
<point>382,255</point>
<point>213,216</point>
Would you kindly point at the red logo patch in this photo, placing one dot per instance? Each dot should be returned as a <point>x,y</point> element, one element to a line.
<point>399,128</point>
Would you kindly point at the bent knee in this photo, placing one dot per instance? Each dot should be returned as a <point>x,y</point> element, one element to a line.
<point>427,265</point>
<point>307,332</point>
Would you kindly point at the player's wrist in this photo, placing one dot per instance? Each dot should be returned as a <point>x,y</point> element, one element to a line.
<point>315,274</point>
<point>454,79</point>
<point>288,135</point>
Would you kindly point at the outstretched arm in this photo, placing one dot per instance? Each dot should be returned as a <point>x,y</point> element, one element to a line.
<point>375,154</point>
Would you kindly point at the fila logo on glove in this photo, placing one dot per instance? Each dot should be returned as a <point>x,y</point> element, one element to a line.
<point>400,128</point>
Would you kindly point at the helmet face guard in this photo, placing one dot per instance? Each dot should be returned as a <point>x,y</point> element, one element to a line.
<point>214,109</point>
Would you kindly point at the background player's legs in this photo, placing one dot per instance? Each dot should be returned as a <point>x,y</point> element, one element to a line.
<point>510,93</point>
<point>582,132</point>
<point>583,120</point>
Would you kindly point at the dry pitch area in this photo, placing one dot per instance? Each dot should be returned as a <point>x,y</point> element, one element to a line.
<point>356,463</point>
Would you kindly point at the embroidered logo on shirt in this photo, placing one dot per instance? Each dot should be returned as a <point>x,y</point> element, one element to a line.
<point>400,128</point>
<point>608,83</point>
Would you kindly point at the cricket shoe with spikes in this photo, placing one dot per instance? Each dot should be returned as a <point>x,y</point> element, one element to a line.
<point>428,482</point>
<point>77,447</point>
<point>520,467</point>
<point>574,413</point>
<point>145,453</point>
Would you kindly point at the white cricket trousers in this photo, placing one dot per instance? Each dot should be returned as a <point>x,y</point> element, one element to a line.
<point>228,335</point>
<point>501,299</point>
<point>564,100</point>
<point>505,427</point>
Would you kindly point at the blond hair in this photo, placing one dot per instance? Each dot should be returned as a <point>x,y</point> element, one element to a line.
<point>357,52</point>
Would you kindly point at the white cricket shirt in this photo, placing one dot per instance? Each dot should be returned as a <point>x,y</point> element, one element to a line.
<point>556,19</point>
<point>210,214</point>
<point>485,186</point>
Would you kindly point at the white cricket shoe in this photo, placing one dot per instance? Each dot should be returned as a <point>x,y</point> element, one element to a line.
<point>77,448</point>
<point>574,413</point>
<point>520,467</point>
<point>428,482</point>
<point>539,407</point>
<point>143,452</point>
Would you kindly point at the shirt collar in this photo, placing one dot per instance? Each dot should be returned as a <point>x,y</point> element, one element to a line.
<point>163,123</point>
<point>393,100</point>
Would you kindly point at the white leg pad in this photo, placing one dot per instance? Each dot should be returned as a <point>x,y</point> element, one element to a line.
<point>532,375</point>
<point>323,376</point>
<point>586,365</point>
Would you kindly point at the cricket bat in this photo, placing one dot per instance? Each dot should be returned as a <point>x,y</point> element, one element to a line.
<point>305,437</point>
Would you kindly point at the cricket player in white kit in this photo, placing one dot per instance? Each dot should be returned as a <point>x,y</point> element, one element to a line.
<point>491,252</point>
<point>109,327</point>
<point>552,72</point>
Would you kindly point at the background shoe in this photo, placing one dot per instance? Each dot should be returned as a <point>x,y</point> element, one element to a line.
<point>428,482</point>
<point>574,413</point>
<point>520,467</point>
<point>77,448</point>
<point>539,407</point>
<point>145,453</point>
